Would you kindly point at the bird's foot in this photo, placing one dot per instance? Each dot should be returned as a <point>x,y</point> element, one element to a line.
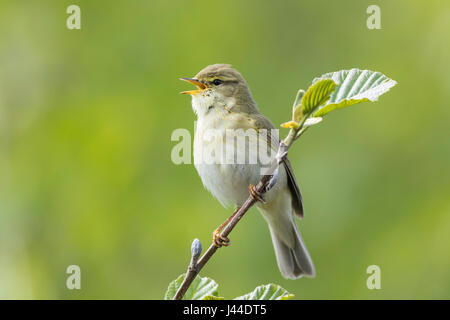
<point>255,194</point>
<point>219,240</point>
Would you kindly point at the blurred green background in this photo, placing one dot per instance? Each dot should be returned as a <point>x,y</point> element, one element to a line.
<point>86,118</point>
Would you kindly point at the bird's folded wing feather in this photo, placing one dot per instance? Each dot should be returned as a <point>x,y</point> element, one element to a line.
<point>297,204</point>
<point>274,141</point>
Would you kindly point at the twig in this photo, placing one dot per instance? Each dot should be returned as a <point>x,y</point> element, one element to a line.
<point>196,251</point>
<point>261,187</point>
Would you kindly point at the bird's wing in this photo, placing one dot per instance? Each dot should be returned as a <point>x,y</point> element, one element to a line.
<point>297,204</point>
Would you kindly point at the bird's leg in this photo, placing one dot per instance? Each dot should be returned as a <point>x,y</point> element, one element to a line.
<point>272,181</point>
<point>218,239</point>
<point>255,194</point>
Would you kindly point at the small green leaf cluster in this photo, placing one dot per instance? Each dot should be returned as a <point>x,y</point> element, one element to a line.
<point>204,288</point>
<point>336,90</point>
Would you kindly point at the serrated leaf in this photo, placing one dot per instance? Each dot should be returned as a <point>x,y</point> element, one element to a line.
<point>200,288</point>
<point>267,292</point>
<point>317,94</point>
<point>354,86</point>
<point>173,287</point>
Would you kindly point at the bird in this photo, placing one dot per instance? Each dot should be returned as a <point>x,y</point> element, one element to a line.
<point>223,103</point>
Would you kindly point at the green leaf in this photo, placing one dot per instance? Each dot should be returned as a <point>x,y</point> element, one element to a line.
<point>317,94</point>
<point>354,86</point>
<point>267,292</point>
<point>199,289</point>
<point>173,287</point>
<point>312,121</point>
<point>298,98</point>
<point>213,298</point>
<point>297,108</point>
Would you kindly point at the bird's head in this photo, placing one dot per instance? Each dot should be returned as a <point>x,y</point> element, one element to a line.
<point>222,87</point>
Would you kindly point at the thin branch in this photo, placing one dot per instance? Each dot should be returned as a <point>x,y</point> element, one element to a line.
<point>196,251</point>
<point>261,187</point>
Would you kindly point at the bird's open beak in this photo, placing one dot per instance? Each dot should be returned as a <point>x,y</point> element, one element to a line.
<point>195,82</point>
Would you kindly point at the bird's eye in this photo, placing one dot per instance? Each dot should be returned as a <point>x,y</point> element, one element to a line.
<point>216,82</point>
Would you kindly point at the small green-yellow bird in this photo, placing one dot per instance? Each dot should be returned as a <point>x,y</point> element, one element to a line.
<point>223,103</point>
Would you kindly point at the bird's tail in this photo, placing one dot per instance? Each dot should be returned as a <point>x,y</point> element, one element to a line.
<point>293,258</point>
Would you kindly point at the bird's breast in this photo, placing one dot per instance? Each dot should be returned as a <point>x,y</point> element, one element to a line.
<point>224,159</point>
